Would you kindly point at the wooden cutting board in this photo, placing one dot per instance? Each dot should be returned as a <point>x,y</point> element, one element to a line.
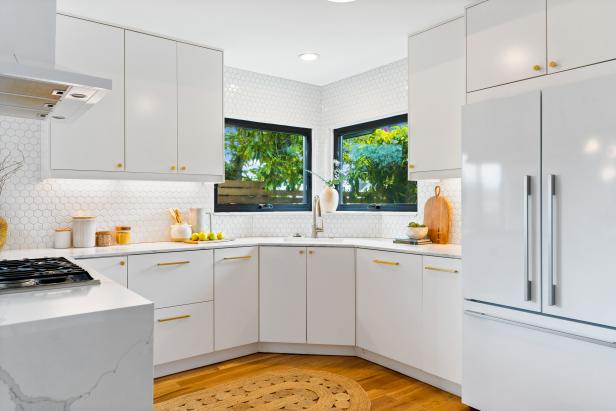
<point>437,217</point>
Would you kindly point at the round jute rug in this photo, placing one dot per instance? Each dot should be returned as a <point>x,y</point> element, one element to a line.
<point>293,389</point>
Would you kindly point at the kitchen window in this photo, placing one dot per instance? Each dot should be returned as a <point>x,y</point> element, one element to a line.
<point>372,160</point>
<point>266,168</point>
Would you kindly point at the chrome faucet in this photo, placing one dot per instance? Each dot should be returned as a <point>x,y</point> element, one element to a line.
<point>316,212</point>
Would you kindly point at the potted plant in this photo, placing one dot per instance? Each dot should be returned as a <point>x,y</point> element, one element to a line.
<point>8,168</point>
<point>329,196</point>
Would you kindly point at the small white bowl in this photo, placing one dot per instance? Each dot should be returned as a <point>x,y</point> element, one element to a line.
<point>417,233</point>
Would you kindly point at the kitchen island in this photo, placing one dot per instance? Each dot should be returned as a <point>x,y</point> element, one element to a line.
<point>79,348</point>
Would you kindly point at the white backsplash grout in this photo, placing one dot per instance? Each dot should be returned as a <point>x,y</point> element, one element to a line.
<point>34,208</point>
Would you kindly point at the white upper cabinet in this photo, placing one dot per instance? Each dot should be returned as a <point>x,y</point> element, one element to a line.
<point>580,32</point>
<point>200,110</point>
<point>506,42</point>
<point>151,104</point>
<point>437,91</point>
<point>95,141</point>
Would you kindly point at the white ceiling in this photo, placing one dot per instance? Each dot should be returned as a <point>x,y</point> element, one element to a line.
<point>266,36</point>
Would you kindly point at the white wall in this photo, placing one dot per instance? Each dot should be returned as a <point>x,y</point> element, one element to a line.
<point>34,208</point>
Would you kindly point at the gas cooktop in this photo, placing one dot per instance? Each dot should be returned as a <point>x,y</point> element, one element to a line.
<point>41,273</point>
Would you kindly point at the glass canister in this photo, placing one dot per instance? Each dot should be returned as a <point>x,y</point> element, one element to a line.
<point>104,238</point>
<point>122,234</point>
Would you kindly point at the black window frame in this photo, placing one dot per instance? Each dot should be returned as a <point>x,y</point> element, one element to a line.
<point>242,208</point>
<point>339,134</point>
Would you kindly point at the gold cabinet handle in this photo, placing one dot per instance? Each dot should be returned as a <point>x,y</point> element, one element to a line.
<point>173,168</point>
<point>537,67</point>
<point>122,263</point>
<point>173,263</point>
<point>553,64</point>
<point>241,257</point>
<point>301,251</point>
<point>120,165</point>
<point>311,252</point>
<point>443,270</point>
<point>183,168</point>
<point>386,262</point>
<point>179,317</point>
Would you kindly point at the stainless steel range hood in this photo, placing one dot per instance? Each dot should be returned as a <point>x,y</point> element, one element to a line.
<point>31,86</point>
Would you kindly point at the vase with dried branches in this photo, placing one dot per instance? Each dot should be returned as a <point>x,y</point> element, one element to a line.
<point>8,168</point>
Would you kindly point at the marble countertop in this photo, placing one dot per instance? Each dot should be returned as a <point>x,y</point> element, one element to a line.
<point>436,250</point>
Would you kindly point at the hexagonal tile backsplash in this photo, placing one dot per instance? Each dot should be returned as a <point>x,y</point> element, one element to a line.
<point>34,208</point>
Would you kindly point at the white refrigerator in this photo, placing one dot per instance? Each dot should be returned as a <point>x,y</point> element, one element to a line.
<point>539,249</point>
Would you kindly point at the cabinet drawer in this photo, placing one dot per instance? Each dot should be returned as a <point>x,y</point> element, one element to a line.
<point>170,279</point>
<point>113,268</point>
<point>183,332</point>
<point>442,265</point>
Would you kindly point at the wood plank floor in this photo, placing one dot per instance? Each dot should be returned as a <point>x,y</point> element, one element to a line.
<point>388,390</point>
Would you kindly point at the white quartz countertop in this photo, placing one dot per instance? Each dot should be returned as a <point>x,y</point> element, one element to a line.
<point>40,305</point>
<point>437,250</point>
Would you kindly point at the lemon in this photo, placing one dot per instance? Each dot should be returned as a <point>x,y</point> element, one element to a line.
<point>220,236</point>
<point>194,236</point>
<point>202,236</point>
<point>211,236</point>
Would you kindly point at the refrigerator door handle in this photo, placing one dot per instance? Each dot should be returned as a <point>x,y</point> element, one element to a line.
<point>611,344</point>
<point>528,284</point>
<point>551,195</point>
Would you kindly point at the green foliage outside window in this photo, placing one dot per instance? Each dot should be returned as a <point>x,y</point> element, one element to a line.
<point>374,167</point>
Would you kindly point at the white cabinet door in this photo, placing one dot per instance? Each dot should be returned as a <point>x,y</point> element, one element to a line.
<point>437,92</point>
<point>170,279</point>
<point>200,110</point>
<point>578,32</point>
<point>151,104</point>
<point>501,147</point>
<point>282,297</point>
<point>389,305</point>
<point>236,297</point>
<point>579,148</point>
<point>95,141</point>
<point>506,42</point>
<point>112,267</point>
<point>183,332</point>
<point>331,296</point>
<point>442,318</point>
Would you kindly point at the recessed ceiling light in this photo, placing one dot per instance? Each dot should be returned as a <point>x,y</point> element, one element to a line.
<point>309,56</point>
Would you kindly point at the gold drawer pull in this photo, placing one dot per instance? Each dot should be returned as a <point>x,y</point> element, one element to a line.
<point>179,317</point>
<point>122,263</point>
<point>443,270</point>
<point>386,262</point>
<point>241,257</point>
<point>173,263</point>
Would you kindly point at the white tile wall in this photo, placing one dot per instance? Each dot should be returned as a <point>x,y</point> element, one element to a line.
<point>34,208</point>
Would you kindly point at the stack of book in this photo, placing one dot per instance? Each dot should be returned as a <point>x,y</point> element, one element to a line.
<point>412,241</point>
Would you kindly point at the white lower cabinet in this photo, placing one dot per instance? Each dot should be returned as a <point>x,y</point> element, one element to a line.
<point>442,318</point>
<point>170,279</point>
<point>330,283</point>
<point>236,297</point>
<point>389,305</point>
<point>114,268</point>
<point>282,294</point>
<point>182,332</point>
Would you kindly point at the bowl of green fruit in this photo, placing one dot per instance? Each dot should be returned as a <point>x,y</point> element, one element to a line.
<point>416,231</point>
